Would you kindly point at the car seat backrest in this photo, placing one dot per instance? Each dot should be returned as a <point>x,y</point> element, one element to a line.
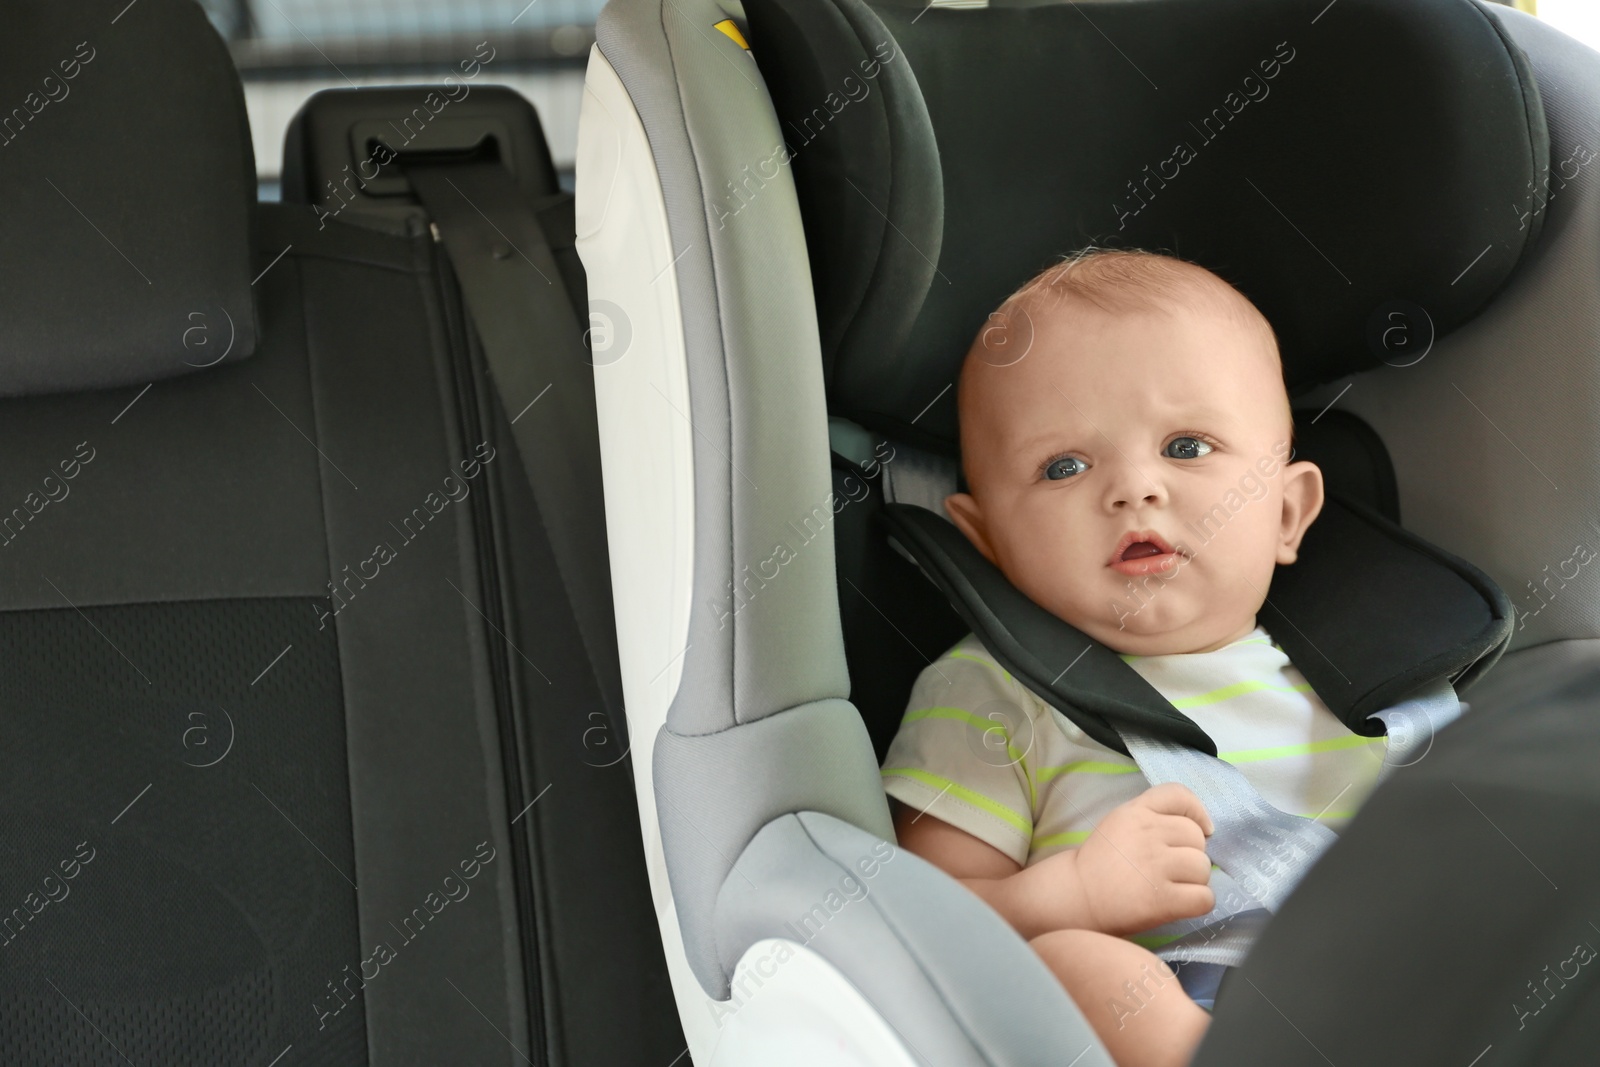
<point>284,638</point>
<point>129,190</point>
<point>1326,166</point>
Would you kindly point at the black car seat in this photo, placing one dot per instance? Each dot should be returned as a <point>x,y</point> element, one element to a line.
<point>309,757</point>
<point>805,208</point>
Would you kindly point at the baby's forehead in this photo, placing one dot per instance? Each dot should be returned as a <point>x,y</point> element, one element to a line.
<point>1227,378</point>
<point>1186,348</point>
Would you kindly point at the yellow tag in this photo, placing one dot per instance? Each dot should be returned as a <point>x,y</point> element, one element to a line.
<point>727,26</point>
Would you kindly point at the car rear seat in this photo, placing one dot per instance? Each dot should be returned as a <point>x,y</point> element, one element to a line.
<point>291,671</point>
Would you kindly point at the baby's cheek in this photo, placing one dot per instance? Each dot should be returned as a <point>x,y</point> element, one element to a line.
<point>1075,597</point>
<point>1042,555</point>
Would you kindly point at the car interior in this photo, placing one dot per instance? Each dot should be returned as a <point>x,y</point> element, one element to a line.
<point>590,772</point>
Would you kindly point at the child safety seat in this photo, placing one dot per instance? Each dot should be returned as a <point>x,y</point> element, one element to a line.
<point>795,215</point>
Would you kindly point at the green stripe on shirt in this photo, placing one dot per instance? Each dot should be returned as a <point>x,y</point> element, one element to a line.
<point>985,725</point>
<point>1085,766</point>
<point>961,792</point>
<point>1228,692</point>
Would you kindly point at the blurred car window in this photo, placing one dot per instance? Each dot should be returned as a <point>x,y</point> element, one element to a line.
<point>1575,18</point>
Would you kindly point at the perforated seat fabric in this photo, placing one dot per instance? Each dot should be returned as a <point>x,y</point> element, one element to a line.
<point>214,910</point>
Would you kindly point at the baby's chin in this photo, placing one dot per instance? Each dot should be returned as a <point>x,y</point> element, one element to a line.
<point>1142,633</point>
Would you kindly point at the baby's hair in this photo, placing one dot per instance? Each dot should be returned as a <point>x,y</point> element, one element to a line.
<point>1124,280</point>
<point>1121,280</point>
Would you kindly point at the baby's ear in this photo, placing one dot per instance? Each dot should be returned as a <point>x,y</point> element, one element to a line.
<point>964,512</point>
<point>1303,496</point>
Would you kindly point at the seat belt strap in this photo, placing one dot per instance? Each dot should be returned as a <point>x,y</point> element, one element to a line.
<point>533,342</point>
<point>1412,724</point>
<point>1261,853</point>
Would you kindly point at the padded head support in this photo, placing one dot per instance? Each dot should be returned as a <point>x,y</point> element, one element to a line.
<point>1369,614</point>
<point>129,182</point>
<point>1327,165</point>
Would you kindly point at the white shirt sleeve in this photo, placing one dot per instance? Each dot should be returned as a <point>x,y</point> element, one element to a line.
<point>962,751</point>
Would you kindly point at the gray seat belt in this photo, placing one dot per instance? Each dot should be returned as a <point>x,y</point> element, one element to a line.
<point>1261,852</point>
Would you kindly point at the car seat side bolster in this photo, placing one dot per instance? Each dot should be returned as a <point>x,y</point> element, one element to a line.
<point>715,791</point>
<point>958,984</point>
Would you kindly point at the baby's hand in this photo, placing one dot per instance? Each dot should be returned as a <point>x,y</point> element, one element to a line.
<point>1146,863</point>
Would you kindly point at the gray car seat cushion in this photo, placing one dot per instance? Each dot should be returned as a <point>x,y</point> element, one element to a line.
<point>715,791</point>
<point>956,983</point>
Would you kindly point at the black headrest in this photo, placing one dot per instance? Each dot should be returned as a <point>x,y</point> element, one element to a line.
<point>129,183</point>
<point>1328,163</point>
<point>346,149</point>
<point>1368,614</point>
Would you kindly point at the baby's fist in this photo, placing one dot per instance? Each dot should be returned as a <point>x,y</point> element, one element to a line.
<point>1145,863</point>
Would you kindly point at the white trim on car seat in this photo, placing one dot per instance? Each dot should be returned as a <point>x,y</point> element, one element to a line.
<point>646,452</point>
<point>792,1008</point>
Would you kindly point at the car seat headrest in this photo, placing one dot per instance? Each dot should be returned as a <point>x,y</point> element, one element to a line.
<point>345,151</point>
<point>129,182</point>
<point>1335,167</point>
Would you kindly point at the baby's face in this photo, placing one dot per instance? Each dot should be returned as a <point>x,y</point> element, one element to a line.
<point>1166,427</point>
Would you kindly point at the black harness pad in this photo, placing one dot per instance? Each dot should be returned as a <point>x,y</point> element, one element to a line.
<point>1368,614</point>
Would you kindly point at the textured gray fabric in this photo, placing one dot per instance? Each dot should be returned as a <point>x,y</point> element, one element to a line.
<point>1412,724</point>
<point>957,984</point>
<point>850,440</point>
<point>631,35</point>
<point>1493,434</point>
<point>153,453</point>
<point>764,632</point>
<point>419,709</point>
<point>222,485</point>
<point>129,183</point>
<point>715,791</point>
<point>756,402</point>
<point>1528,670</point>
<point>919,477</point>
<point>786,646</point>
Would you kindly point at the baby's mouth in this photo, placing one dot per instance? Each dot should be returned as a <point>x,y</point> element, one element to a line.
<point>1141,552</point>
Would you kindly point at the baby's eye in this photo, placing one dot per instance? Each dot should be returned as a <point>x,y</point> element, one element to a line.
<point>1189,448</point>
<point>1058,469</point>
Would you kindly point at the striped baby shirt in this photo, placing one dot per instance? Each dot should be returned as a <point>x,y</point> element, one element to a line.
<point>981,751</point>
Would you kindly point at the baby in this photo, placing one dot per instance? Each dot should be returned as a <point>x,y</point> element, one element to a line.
<point>1115,414</point>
